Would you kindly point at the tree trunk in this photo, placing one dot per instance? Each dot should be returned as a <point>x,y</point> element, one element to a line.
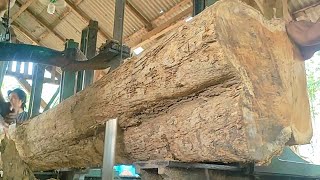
<point>228,86</point>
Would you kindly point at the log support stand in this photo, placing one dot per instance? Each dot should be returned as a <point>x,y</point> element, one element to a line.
<point>170,170</point>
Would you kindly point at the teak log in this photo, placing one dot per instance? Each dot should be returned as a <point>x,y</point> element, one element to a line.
<point>228,86</point>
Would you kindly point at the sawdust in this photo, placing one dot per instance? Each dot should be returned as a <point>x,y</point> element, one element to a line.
<point>14,168</point>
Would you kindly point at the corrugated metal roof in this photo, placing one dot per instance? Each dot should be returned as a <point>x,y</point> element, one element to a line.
<point>295,5</point>
<point>311,13</point>
<point>153,8</point>
<point>71,25</point>
<point>26,21</point>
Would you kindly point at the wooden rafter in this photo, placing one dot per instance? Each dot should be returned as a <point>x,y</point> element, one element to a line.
<point>162,29</point>
<point>86,17</point>
<point>42,22</point>
<point>138,14</point>
<point>77,2</point>
<point>52,26</point>
<point>159,20</point>
<point>17,27</point>
<point>137,39</point>
<point>64,14</point>
<point>21,10</point>
<point>306,8</point>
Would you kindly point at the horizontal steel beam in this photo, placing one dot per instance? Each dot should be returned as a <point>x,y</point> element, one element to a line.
<point>71,59</point>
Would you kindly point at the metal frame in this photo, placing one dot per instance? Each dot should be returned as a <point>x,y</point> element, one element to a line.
<point>69,78</point>
<point>146,165</point>
<point>109,149</point>
<point>3,69</point>
<point>88,47</point>
<point>200,5</point>
<point>289,164</point>
<point>36,90</point>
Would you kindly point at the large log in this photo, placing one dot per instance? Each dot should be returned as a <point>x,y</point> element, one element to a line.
<point>228,86</point>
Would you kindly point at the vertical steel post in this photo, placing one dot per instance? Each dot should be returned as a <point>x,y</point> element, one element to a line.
<point>118,20</point>
<point>112,124</point>
<point>109,149</point>
<point>210,2</point>
<point>3,69</point>
<point>88,47</point>
<point>68,84</point>
<point>198,6</point>
<point>36,90</point>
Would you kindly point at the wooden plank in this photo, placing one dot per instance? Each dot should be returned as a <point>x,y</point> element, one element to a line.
<point>162,29</point>
<point>21,9</point>
<point>64,14</point>
<point>137,39</point>
<point>177,8</point>
<point>306,8</point>
<point>17,27</point>
<point>209,94</point>
<point>53,73</point>
<point>43,23</point>
<point>29,77</point>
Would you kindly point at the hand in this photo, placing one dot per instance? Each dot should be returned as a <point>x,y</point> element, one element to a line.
<point>11,118</point>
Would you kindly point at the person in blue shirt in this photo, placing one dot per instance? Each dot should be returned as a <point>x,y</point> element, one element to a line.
<point>18,99</point>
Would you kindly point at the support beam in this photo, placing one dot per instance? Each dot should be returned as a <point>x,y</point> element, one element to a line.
<point>29,77</point>
<point>306,8</point>
<point>181,5</point>
<point>138,14</point>
<point>197,95</point>
<point>77,2</point>
<point>163,28</point>
<point>52,100</point>
<point>36,90</point>
<point>17,27</point>
<point>64,14</point>
<point>21,10</point>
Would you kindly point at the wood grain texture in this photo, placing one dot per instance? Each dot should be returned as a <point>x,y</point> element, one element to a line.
<point>228,86</point>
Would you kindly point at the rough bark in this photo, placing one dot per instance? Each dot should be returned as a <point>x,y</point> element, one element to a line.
<point>14,167</point>
<point>228,86</point>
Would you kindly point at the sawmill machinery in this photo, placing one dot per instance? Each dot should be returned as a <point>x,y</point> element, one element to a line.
<point>78,65</point>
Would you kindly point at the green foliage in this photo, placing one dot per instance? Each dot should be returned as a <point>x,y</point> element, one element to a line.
<point>313,82</point>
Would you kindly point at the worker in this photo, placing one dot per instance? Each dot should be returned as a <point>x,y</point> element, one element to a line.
<point>306,35</point>
<point>18,100</point>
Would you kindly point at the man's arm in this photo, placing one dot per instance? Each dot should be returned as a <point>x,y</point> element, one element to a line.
<point>304,33</point>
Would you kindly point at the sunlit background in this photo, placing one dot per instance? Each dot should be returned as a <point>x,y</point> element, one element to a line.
<point>311,152</point>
